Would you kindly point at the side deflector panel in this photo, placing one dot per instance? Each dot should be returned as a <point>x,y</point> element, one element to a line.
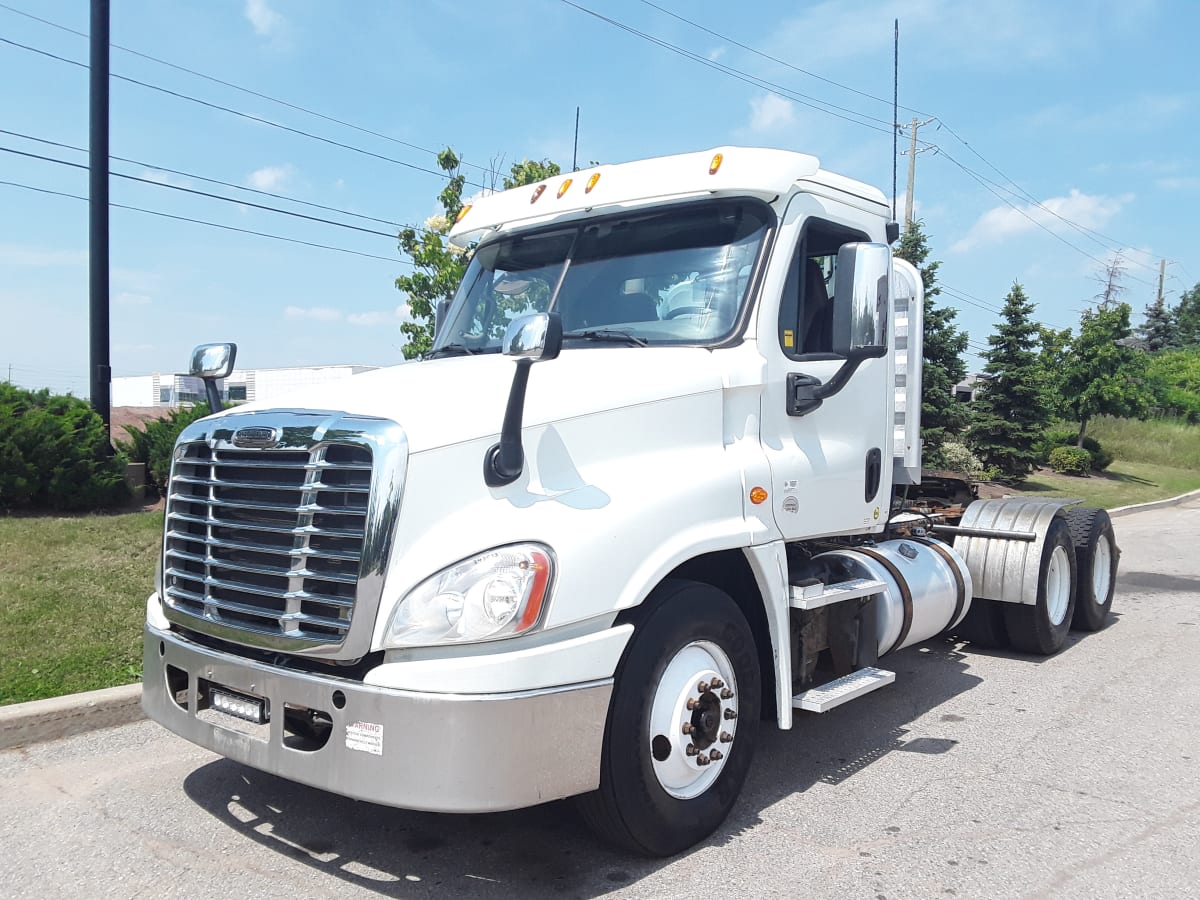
<point>908,345</point>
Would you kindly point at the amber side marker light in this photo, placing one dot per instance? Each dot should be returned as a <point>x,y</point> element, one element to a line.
<point>591,183</point>
<point>757,495</point>
<point>715,164</point>
<point>541,189</point>
<point>563,188</point>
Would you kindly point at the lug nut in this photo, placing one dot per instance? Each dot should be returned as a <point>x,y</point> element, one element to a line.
<point>731,713</point>
<point>726,737</point>
<point>716,683</point>
<point>691,704</point>
<point>691,750</point>
<point>702,687</point>
<point>687,728</point>
<point>727,694</point>
<point>702,760</point>
<point>714,755</point>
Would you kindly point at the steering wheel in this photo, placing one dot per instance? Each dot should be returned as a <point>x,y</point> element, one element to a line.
<point>685,311</point>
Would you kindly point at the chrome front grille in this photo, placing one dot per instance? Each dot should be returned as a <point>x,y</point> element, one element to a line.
<point>268,542</point>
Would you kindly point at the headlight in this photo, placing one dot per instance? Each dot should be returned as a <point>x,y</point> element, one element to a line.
<point>495,594</point>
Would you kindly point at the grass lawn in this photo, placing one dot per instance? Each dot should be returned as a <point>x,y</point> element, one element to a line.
<point>72,601</point>
<point>1123,483</point>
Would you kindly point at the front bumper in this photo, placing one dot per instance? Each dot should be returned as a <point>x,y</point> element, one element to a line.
<point>416,750</point>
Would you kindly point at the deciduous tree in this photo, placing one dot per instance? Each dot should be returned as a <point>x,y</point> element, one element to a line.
<point>1101,376</point>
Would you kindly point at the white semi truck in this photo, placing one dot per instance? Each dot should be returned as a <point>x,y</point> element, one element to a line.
<point>461,585</point>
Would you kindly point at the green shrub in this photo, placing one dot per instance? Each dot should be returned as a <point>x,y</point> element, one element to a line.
<point>1062,437</point>
<point>1070,460</point>
<point>54,453</point>
<point>154,442</point>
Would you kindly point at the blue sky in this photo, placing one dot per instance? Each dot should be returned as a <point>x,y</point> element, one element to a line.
<point>1089,107</point>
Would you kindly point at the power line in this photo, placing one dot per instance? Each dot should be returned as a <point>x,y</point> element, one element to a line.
<point>238,87</point>
<point>824,106</point>
<point>228,184</point>
<point>152,212</point>
<point>188,190</point>
<point>774,59</point>
<point>244,115</point>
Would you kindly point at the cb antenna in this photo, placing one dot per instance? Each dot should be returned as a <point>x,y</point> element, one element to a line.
<point>895,106</point>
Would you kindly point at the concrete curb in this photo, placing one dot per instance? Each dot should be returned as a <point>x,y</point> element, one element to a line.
<point>1153,504</point>
<point>59,717</point>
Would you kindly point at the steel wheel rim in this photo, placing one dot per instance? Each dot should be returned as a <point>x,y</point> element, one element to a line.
<point>1058,585</point>
<point>1101,570</point>
<point>682,740</point>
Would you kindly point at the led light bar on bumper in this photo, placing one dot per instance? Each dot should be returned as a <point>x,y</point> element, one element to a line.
<point>495,594</point>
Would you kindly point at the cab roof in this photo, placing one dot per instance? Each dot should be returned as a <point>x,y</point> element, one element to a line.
<point>721,171</point>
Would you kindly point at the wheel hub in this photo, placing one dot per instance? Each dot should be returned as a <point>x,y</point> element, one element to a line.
<point>693,719</point>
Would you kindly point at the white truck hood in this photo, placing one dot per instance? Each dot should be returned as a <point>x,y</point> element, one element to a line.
<point>448,401</point>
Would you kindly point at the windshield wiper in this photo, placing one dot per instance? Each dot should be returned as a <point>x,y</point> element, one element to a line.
<point>451,350</point>
<point>609,335</point>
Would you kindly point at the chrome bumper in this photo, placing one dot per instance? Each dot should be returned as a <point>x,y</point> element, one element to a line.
<point>436,752</point>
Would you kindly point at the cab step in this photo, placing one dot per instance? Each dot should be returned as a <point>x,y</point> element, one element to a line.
<point>842,690</point>
<point>816,595</point>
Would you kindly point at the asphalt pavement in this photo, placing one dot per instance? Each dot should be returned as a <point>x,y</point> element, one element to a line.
<point>977,774</point>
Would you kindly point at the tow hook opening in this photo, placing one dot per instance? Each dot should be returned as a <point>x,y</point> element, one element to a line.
<point>304,729</point>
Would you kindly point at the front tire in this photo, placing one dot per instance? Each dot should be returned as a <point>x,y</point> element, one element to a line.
<point>682,724</point>
<point>1096,556</point>
<point>1041,628</point>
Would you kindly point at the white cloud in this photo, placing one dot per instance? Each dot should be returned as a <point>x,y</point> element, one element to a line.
<point>1002,222</point>
<point>1181,183</point>
<point>271,178</point>
<point>401,313</point>
<point>127,298</point>
<point>715,54</point>
<point>317,313</point>
<point>264,19</point>
<point>41,257</point>
<point>770,112</point>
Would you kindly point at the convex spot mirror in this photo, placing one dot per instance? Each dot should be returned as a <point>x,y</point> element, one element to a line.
<point>535,337</point>
<point>860,306</point>
<point>213,360</point>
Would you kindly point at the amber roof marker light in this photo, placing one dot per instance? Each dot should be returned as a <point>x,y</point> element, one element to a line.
<point>716,163</point>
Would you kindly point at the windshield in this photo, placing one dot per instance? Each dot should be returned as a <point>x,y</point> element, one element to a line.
<point>664,277</point>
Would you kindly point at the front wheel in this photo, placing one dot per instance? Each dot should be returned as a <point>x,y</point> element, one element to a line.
<point>682,723</point>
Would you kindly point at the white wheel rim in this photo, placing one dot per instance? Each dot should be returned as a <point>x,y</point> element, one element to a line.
<point>690,747</point>
<point>1058,585</point>
<point>1101,570</point>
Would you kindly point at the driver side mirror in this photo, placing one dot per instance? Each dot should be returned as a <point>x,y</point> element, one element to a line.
<point>861,298</point>
<point>536,337</point>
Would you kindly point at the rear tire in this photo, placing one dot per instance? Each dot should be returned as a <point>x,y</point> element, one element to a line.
<point>1041,628</point>
<point>655,797</point>
<point>983,625</point>
<point>1096,556</point>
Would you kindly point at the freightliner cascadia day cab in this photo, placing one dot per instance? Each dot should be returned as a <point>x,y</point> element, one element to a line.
<point>470,583</point>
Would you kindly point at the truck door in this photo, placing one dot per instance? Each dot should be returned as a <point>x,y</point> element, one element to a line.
<point>827,416</point>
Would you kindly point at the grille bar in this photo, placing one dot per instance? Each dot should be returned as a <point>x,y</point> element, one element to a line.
<point>268,542</point>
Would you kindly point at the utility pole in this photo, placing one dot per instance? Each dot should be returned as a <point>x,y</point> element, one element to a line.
<point>912,167</point>
<point>100,374</point>
<point>1162,272</point>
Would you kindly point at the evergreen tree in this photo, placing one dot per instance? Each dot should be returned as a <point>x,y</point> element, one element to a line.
<point>942,416</point>
<point>1010,417</point>
<point>1102,376</point>
<point>1186,316</point>
<point>1159,331</point>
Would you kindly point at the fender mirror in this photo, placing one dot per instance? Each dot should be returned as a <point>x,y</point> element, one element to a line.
<point>212,362</point>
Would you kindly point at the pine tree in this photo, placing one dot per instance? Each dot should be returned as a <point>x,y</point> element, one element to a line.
<point>1159,331</point>
<point>942,416</point>
<point>1010,417</point>
<point>1186,316</point>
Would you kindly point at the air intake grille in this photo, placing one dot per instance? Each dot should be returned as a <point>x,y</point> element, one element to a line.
<point>268,541</point>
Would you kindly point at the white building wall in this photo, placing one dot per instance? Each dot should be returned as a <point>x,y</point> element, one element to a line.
<point>241,385</point>
<point>136,390</point>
